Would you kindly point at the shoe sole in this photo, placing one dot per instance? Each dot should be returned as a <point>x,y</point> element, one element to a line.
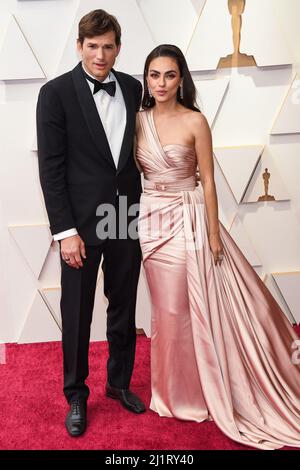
<point>76,435</point>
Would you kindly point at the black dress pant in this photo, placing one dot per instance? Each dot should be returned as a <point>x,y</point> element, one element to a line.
<point>121,268</point>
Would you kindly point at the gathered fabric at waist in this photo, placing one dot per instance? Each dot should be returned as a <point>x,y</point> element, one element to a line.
<point>184,184</point>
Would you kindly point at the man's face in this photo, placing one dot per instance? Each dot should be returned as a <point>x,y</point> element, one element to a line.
<point>99,54</point>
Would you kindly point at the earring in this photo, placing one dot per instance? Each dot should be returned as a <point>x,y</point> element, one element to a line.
<point>150,94</point>
<point>181,92</point>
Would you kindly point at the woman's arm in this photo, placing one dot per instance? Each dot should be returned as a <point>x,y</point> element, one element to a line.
<point>204,151</point>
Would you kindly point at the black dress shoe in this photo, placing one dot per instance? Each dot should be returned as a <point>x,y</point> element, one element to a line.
<point>76,418</point>
<point>128,399</point>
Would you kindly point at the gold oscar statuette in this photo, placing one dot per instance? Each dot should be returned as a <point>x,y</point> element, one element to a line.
<point>237,59</point>
<point>266,197</point>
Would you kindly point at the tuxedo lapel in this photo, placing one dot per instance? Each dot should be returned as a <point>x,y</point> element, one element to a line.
<point>91,114</point>
<point>127,142</point>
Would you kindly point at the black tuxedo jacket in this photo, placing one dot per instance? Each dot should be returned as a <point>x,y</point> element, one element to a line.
<point>77,170</point>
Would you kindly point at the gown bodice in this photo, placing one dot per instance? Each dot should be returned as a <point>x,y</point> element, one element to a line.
<point>165,165</point>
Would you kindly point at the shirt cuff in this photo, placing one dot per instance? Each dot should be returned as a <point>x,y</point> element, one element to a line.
<point>65,234</point>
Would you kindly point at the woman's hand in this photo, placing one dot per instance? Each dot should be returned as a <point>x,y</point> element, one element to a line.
<point>216,247</point>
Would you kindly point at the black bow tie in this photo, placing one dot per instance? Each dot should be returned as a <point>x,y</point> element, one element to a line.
<point>109,87</point>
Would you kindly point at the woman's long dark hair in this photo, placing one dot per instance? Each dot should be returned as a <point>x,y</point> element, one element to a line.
<point>188,87</point>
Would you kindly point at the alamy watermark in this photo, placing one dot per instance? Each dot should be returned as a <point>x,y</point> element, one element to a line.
<point>148,222</point>
<point>114,221</point>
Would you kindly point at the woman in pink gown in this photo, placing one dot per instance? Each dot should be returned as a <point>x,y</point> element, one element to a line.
<point>221,347</point>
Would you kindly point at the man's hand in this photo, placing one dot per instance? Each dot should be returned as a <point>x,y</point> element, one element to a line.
<point>72,249</point>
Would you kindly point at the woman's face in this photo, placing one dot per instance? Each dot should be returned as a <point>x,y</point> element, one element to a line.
<point>163,78</point>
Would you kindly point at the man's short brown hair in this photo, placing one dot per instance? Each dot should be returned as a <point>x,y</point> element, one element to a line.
<point>98,22</point>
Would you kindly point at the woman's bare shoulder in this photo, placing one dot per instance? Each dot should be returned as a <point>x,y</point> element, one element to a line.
<point>198,123</point>
<point>196,118</point>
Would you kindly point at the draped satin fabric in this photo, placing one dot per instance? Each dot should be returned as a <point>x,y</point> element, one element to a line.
<point>221,347</point>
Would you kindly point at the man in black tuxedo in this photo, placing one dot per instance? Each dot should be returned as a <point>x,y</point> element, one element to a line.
<point>85,128</point>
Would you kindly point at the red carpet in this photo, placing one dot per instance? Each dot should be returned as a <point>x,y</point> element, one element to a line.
<point>33,407</point>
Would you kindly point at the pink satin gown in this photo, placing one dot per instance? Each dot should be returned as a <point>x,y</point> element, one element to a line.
<point>221,347</point>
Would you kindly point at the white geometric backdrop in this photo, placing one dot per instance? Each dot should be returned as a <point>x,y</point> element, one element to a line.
<point>254,113</point>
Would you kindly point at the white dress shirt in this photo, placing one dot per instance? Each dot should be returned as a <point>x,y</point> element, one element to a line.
<point>112,112</point>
